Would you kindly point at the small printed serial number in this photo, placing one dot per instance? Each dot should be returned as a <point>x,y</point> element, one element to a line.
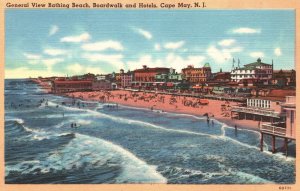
<point>285,188</point>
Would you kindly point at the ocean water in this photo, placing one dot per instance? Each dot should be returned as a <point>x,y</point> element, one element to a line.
<point>127,145</point>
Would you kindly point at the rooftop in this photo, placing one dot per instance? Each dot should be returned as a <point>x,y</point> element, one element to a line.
<point>151,69</point>
<point>257,63</point>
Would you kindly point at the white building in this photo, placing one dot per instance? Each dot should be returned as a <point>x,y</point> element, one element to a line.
<point>258,71</point>
<point>101,77</point>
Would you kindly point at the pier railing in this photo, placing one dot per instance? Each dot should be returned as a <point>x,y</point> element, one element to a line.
<point>275,128</point>
<point>259,111</point>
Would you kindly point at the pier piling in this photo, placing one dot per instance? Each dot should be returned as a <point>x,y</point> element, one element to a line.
<point>261,142</point>
<point>273,144</point>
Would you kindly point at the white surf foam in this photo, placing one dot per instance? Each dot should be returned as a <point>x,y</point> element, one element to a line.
<point>18,120</point>
<point>150,125</point>
<point>250,178</point>
<point>87,150</point>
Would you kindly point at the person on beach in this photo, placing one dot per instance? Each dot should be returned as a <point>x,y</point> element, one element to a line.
<point>235,128</point>
<point>212,123</point>
<point>207,121</point>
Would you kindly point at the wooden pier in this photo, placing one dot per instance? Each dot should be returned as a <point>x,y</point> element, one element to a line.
<point>276,130</point>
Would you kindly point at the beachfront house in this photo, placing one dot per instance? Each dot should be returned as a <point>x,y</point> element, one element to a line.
<point>257,71</point>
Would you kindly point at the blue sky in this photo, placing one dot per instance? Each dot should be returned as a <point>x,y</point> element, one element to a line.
<point>71,42</point>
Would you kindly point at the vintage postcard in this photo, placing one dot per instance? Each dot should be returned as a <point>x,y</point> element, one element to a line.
<point>183,95</point>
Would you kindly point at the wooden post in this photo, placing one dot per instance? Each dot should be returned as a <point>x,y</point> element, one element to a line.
<point>273,143</point>
<point>261,141</point>
<point>286,146</point>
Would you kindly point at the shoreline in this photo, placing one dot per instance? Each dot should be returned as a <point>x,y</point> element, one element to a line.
<point>227,122</point>
<point>211,109</point>
<point>215,109</point>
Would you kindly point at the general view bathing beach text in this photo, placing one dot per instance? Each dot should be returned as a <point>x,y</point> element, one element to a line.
<point>150,96</point>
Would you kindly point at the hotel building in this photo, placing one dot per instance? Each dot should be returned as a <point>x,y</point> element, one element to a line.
<point>257,71</point>
<point>197,75</point>
<point>145,77</point>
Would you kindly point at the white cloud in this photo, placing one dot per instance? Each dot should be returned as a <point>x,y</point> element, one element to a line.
<point>49,63</point>
<point>103,45</point>
<point>32,56</point>
<point>174,45</point>
<point>221,56</point>
<point>144,33</point>
<point>157,47</point>
<point>245,30</point>
<point>84,37</point>
<point>24,72</point>
<point>33,62</point>
<point>277,51</point>
<point>217,55</point>
<point>103,57</point>
<point>112,59</point>
<point>75,68</point>
<point>55,52</point>
<point>53,30</point>
<point>257,54</point>
<point>94,70</point>
<point>178,62</point>
<point>233,49</point>
<point>226,42</point>
<point>143,60</point>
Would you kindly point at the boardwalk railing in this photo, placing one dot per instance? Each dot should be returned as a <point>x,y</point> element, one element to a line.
<point>258,111</point>
<point>275,128</point>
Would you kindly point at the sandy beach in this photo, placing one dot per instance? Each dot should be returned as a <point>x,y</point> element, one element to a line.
<point>215,109</point>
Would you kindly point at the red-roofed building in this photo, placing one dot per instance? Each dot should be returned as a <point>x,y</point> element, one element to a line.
<point>146,76</point>
<point>71,86</point>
